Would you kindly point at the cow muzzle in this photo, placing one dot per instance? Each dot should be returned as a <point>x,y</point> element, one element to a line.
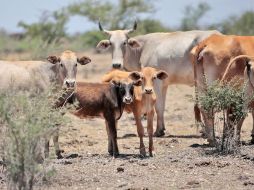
<point>127,100</point>
<point>69,83</point>
<point>116,65</point>
<point>148,90</point>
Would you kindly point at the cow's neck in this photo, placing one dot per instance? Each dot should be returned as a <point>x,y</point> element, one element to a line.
<point>51,75</point>
<point>132,59</point>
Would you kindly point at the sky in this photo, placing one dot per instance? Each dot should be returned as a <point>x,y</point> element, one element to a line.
<point>169,12</point>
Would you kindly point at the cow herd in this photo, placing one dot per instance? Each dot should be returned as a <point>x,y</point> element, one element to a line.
<point>142,69</point>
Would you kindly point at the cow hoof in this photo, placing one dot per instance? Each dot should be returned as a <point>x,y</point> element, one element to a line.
<point>59,156</point>
<point>152,154</point>
<point>142,152</point>
<point>211,143</point>
<point>110,153</point>
<point>159,133</point>
<point>115,155</point>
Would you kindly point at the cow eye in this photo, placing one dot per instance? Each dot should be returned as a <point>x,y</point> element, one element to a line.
<point>125,43</point>
<point>76,65</point>
<point>61,64</point>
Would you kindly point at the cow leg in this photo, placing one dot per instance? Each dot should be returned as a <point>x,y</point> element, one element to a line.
<point>113,133</point>
<point>150,132</point>
<point>238,131</point>
<point>140,129</point>
<point>252,132</point>
<point>56,145</point>
<point>46,148</point>
<point>209,127</point>
<point>161,92</point>
<point>110,145</point>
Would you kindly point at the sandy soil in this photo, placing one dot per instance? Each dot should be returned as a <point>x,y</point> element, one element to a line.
<point>182,160</point>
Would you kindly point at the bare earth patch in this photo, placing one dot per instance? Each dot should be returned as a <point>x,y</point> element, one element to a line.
<point>182,160</point>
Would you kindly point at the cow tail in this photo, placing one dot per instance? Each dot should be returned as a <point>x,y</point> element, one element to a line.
<point>198,59</point>
<point>231,62</point>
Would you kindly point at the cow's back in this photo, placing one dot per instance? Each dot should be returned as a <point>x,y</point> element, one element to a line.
<point>171,53</point>
<point>13,77</point>
<point>216,52</point>
<point>94,98</point>
<point>34,74</point>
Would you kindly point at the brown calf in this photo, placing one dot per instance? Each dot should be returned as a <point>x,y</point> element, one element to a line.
<point>144,99</point>
<point>102,100</point>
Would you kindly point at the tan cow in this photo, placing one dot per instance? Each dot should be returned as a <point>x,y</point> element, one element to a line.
<point>25,75</point>
<point>144,99</point>
<point>210,59</point>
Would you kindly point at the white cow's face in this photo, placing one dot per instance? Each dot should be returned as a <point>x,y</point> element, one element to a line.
<point>66,67</point>
<point>118,42</point>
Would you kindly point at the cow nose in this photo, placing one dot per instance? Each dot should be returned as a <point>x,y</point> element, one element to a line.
<point>70,83</point>
<point>127,100</point>
<point>116,65</point>
<point>148,91</point>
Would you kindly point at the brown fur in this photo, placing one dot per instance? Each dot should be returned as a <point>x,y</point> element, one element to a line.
<point>99,100</point>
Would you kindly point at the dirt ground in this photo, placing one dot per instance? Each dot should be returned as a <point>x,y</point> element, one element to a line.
<point>182,160</point>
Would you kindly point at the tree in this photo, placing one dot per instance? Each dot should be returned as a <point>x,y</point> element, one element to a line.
<point>242,25</point>
<point>120,15</point>
<point>193,15</point>
<point>51,26</point>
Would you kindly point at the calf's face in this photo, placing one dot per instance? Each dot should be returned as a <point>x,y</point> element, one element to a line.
<point>147,76</point>
<point>126,89</point>
<point>66,67</point>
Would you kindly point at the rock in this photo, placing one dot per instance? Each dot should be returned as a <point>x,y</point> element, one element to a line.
<point>203,163</point>
<point>120,169</point>
<point>246,183</point>
<point>70,156</point>
<point>193,184</point>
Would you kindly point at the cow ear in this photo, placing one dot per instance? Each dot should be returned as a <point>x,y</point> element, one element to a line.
<point>137,82</point>
<point>103,44</point>
<point>247,63</point>
<point>133,43</point>
<point>53,59</point>
<point>161,75</point>
<point>115,83</point>
<point>135,75</point>
<point>83,60</point>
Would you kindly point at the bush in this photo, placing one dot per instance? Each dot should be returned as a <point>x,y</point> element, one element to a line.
<point>229,100</point>
<point>27,118</point>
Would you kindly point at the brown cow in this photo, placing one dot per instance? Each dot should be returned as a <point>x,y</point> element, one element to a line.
<point>144,99</point>
<point>210,59</point>
<point>248,63</point>
<point>101,100</point>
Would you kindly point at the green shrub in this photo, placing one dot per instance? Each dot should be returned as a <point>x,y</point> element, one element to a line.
<point>27,118</point>
<point>229,100</point>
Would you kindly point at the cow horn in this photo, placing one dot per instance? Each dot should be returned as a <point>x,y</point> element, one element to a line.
<point>133,29</point>
<point>105,31</point>
<point>231,62</point>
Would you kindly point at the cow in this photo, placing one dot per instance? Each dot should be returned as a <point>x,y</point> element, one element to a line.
<point>59,71</point>
<point>144,99</point>
<point>104,100</point>
<point>211,59</point>
<point>163,51</point>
